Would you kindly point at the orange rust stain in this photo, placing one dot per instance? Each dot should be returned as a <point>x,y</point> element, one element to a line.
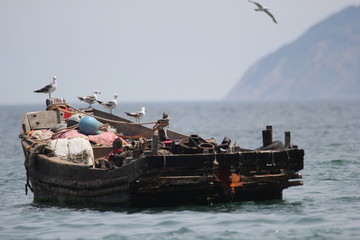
<point>235,181</point>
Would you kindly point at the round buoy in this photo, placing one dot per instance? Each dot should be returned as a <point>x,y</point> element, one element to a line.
<point>89,125</point>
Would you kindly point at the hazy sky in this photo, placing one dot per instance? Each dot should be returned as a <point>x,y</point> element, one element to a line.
<point>143,50</point>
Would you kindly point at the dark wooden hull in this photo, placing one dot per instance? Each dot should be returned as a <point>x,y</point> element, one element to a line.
<point>162,178</point>
<point>54,180</point>
<point>210,178</point>
<point>166,180</point>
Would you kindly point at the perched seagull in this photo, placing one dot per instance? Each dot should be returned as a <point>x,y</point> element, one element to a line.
<point>137,115</point>
<point>263,9</point>
<point>110,104</point>
<point>91,99</point>
<point>48,88</point>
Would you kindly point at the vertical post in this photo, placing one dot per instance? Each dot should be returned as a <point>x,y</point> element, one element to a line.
<point>267,136</point>
<point>287,138</point>
<point>155,142</point>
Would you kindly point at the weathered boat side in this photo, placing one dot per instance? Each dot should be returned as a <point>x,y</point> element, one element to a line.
<point>205,178</point>
<point>149,171</point>
<point>57,181</point>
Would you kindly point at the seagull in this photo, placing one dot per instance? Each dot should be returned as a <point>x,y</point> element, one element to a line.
<point>48,88</point>
<point>263,9</point>
<point>91,99</point>
<point>137,115</point>
<point>110,104</point>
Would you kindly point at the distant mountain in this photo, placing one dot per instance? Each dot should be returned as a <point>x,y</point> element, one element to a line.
<point>322,64</point>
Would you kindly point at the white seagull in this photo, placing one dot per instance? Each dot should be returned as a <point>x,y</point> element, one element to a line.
<point>137,115</point>
<point>48,88</point>
<point>91,99</point>
<point>263,9</point>
<point>110,104</point>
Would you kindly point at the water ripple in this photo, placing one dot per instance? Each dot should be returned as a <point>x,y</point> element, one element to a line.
<point>326,207</point>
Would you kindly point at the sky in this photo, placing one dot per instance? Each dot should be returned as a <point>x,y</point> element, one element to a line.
<point>143,50</point>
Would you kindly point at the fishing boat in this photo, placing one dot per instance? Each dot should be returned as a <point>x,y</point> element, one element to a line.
<point>123,163</point>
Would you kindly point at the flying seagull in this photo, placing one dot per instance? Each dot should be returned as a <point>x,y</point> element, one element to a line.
<point>137,115</point>
<point>48,88</point>
<point>263,9</point>
<point>91,99</point>
<point>110,104</point>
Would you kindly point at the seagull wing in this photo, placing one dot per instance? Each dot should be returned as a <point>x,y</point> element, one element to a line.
<point>88,99</point>
<point>133,114</point>
<point>44,89</point>
<point>257,4</point>
<point>139,114</point>
<point>268,13</point>
<point>91,98</point>
<point>109,104</point>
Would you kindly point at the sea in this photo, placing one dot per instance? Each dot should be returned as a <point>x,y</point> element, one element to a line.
<point>327,206</point>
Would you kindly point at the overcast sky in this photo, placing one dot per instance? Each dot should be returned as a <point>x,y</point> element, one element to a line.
<point>143,50</point>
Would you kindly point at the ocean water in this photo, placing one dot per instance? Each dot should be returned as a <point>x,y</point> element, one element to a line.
<point>327,206</point>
